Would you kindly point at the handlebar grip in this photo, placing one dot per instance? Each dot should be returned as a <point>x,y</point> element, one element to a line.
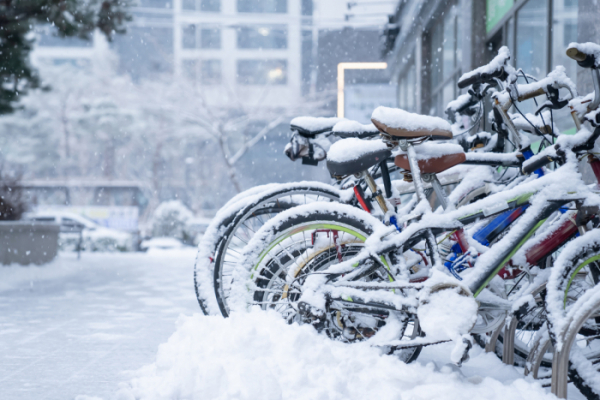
<point>583,59</point>
<point>537,164</point>
<point>575,54</point>
<point>531,95</point>
<point>468,81</point>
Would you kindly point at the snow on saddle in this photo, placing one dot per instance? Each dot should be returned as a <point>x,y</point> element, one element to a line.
<point>403,124</point>
<point>311,126</point>
<point>353,155</point>
<point>348,129</point>
<point>433,157</point>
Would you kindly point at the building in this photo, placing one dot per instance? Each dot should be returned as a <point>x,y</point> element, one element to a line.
<point>241,44</point>
<point>438,40</point>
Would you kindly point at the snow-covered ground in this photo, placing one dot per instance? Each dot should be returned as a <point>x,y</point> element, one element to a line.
<point>84,329</point>
<point>72,327</point>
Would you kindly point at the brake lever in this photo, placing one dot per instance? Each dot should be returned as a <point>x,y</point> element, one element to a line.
<point>553,102</point>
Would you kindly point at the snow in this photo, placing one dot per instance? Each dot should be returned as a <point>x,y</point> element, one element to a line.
<point>257,356</point>
<point>459,102</point>
<point>348,126</point>
<point>588,48</point>
<point>556,78</point>
<point>398,118</point>
<point>353,149</point>
<point>428,150</point>
<point>315,124</point>
<point>73,327</point>
<point>500,61</point>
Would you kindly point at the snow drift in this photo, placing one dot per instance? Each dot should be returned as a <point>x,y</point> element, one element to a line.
<point>258,356</point>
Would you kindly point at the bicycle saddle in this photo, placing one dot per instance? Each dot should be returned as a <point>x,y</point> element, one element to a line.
<point>353,129</point>
<point>312,126</point>
<point>433,158</point>
<point>403,124</point>
<point>351,156</point>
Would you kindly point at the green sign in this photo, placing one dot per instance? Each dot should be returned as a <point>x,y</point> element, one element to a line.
<point>494,11</point>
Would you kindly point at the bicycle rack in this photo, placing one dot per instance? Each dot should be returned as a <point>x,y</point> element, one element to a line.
<point>575,320</point>
<point>510,327</point>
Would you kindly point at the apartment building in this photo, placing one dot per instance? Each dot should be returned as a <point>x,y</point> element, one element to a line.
<point>241,45</point>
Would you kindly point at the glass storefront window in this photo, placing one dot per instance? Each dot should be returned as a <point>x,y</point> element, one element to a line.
<point>564,31</point>
<point>531,51</point>
<point>448,50</point>
<point>445,59</point>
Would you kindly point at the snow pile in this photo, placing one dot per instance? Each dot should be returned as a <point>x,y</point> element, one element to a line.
<point>170,219</point>
<point>315,124</point>
<point>258,356</point>
<point>447,314</point>
<point>353,149</point>
<point>398,118</point>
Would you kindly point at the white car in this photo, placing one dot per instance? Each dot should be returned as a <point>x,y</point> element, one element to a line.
<point>75,227</point>
<point>161,243</point>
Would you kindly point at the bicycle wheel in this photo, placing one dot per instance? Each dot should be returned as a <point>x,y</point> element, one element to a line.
<point>299,243</point>
<point>220,249</point>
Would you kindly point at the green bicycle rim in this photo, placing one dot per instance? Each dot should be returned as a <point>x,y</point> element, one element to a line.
<point>585,263</point>
<point>314,226</point>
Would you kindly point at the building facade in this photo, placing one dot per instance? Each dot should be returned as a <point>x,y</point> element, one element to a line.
<point>241,44</point>
<point>438,40</point>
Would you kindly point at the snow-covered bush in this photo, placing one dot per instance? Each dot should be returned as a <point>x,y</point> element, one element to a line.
<point>170,219</point>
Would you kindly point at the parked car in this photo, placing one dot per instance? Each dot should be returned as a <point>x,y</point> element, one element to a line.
<point>161,243</point>
<point>79,230</point>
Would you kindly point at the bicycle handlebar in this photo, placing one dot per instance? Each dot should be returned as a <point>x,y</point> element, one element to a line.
<point>482,77</point>
<point>531,95</point>
<point>537,164</point>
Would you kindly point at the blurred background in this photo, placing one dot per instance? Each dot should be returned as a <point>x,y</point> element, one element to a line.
<point>147,116</point>
<point>182,105</point>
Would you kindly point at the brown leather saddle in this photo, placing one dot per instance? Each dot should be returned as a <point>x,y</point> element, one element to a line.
<point>433,164</point>
<point>427,165</point>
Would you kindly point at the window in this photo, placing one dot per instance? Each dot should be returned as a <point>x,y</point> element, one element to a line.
<point>189,37</point>
<point>262,6</point>
<point>188,4</point>
<point>189,68</point>
<point>307,7</point>
<point>210,72</point>
<point>262,72</point>
<point>531,48</point>
<point>210,5</point>
<point>210,38</point>
<point>446,57</point>
<point>262,38</point>
<point>207,71</point>
<point>202,5</point>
